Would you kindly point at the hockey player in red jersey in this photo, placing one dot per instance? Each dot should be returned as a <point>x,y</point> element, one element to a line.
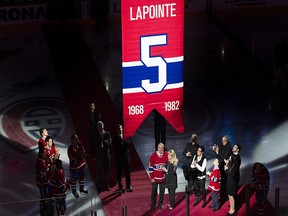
<point>52,152</point>
<point>77,154</point>
<point>43,133</point>
<point>43,173</point>
<point>59,186</point>
<point>157,161</point>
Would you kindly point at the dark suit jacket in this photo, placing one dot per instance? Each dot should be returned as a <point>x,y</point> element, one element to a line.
<point>122,151</point>
<point>100,148</point>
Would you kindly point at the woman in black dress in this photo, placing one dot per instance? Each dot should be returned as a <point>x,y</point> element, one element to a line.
<point>171,177</point>
<point>231,187</point>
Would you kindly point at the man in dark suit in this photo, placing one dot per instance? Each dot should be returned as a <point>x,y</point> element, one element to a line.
<point>102,155</point>
<point>223,152</point>
<point>93,119</point>
<point>189,152</point>
<point>123,158</point>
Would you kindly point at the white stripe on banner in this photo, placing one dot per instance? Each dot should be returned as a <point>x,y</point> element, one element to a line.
<point>135,90</point>
<point>139,63</point>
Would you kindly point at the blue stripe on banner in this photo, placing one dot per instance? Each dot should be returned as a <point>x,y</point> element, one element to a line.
<point>133,76</point>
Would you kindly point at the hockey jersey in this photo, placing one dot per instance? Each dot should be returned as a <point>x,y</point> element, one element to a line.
<point>42,173</point>
<point>76,154</point>
<point>41,143</point>
<point>59,184</point>
<point>50,154</point>
<point>156,163</point>
<point>215,179</point>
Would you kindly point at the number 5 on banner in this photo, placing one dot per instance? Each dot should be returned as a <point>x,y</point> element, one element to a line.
<point>146,42</point>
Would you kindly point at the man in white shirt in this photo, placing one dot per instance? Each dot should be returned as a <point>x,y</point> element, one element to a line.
<point>200,163</point>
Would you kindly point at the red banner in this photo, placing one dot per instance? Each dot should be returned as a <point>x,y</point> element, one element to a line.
<point>152,61</point>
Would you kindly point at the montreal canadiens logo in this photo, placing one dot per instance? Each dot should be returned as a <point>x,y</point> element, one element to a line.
<point>21,121</point>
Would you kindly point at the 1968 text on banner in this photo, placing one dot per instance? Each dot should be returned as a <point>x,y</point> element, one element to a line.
<point>152,61</point>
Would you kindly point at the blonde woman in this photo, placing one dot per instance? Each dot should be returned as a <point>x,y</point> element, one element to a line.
<point>171,177</point>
